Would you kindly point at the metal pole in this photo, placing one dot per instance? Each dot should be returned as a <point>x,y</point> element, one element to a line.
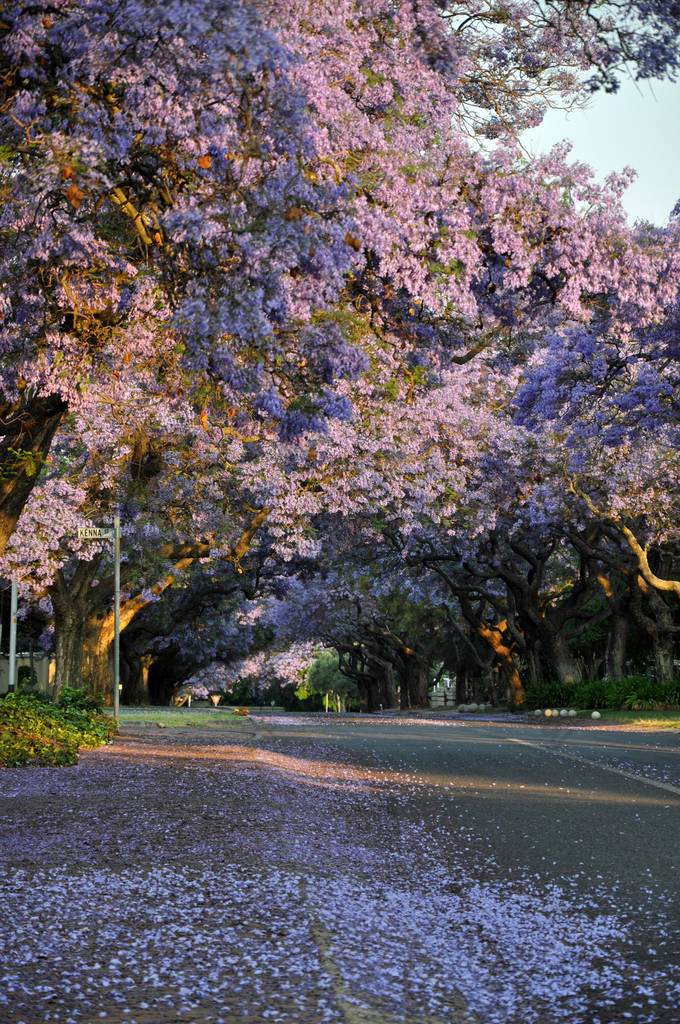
<point>12,638</point>
<point>116,615</point>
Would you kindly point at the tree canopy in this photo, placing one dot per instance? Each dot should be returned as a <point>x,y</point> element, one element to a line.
<point>279,285</point>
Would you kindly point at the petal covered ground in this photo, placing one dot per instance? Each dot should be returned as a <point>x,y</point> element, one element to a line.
<point>202,876</point>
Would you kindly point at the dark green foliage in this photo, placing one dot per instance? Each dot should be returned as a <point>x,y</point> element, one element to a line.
<point>634,692</point>
<point>326,685</point>
<point>81,700</point>
<point>324,676</point>
<point>33,732</point>
<point>241,695</point>
<point>307,700</point>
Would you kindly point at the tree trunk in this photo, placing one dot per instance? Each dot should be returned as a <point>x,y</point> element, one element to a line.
<point>493,688</point>
<point>389,698</point>
<point>99,635</point>
<point>97,657</point>
<point>565,666</point>
<point>27,428</point>
<point>659,626</point>
<point>663,658</point>
<point>461,682</point>
<point>534,665</point>
<point>420,696</point>
<point>617,645</point>
<point>72,599</point>
<point>414,678</point>
<point>503,652</point>
<point>69,628</point>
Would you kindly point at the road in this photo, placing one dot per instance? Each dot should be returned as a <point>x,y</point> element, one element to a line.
<point>549,800</point>
<point>345,870</point>
<point>584,813</point>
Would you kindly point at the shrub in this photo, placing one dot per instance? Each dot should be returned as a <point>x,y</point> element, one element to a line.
<point>32,732</point>
<point>72,697</point>
<point>551,694</point>
<point>642,693</point>
<point>634,692</point>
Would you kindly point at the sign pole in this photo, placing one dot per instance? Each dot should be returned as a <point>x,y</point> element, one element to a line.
<point>12,637</point>
<point>116,616</point>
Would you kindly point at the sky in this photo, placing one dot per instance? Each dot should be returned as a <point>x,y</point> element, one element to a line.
<point>637,127</point>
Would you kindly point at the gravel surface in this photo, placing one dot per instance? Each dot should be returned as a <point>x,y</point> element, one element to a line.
<point>205,875</point>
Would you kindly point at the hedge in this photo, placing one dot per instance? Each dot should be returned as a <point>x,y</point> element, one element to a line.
<point>634,692</point>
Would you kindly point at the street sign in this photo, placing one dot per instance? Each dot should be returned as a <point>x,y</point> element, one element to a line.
<point>96,532</point>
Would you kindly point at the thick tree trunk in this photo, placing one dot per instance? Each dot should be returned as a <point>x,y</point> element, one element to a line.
<point>461,682</point>
<point>27,428</point>
<point>617,647</point>
<point>534,666</point>
<point>99,635</point>
<point>562,662</point>
<point>659,626</point>
<point>492,691</point>
<point>69,628</point>
<point>388,690</point>
<point>493,635</point>
<point>98,657</point>
<point>416,678</point>
<point>663,658</point>
<point>72,599</point>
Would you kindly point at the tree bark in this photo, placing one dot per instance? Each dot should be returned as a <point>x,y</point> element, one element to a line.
<point>660,626</point>
<point>72,600</point>
<point>617,647</point>
<point>27,428</point>
<point>68,635</point>
<point>503,652</point>
<point>415,679</point>
<point>566,666</point>
<point>663,658</point>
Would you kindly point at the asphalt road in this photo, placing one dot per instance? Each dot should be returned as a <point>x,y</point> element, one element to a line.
<point>587,813</point>
<point>545,799</point>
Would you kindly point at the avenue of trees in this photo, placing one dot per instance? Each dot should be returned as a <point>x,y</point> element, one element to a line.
<point>279,285</point>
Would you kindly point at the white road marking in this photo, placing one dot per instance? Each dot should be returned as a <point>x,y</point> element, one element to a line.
<point>596,764</point>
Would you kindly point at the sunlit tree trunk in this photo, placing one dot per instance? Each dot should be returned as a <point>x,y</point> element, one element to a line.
<point>503,652</point>
<point>73,598</point>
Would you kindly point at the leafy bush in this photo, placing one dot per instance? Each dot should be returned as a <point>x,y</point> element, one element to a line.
<point>550,694</point>
<point>642,693</point>
<point>241,693</point>
<point>634,692</point>
<point>32,732</point>
<point>72,697</point>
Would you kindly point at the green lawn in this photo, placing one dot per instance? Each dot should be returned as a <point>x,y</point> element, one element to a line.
<point>180,717</point>
<point>640,719</point>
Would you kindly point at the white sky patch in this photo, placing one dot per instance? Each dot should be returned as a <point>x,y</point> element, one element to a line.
<point>637,127</point>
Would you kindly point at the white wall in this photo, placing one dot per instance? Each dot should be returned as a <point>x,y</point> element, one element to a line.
<point>43,668</point>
